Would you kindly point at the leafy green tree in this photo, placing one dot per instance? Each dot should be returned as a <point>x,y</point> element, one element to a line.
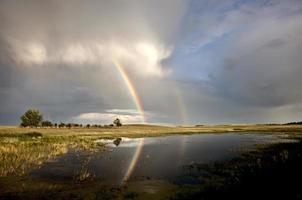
<point>32,117</point>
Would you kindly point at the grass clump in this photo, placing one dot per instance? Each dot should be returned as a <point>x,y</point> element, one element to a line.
<point>33,134</point>
<point>22,152</point>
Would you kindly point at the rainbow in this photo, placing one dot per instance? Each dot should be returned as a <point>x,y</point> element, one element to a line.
<point>132,90</point>
<point>140,108</point>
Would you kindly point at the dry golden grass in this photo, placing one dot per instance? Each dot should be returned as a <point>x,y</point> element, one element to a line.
<point>18,157</point>
<point>25,148</point>
<point>149,130</point>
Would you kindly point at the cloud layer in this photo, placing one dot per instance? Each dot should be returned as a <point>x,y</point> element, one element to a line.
<point>190,61</point>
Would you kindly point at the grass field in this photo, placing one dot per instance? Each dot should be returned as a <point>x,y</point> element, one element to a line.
<point>146,130</point>
<point>24,149</point>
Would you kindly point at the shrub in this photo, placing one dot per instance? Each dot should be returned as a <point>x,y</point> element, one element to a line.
<point>117,122</point>
<point>61,125</point>
<point>33,134</point>
<point>46,124</point>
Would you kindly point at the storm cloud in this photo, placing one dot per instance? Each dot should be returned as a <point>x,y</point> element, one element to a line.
<point>190,61</point>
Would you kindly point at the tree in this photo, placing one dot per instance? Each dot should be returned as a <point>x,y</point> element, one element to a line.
<point>61,125</point>
<point>117,122</point>
<point>46,123</point>
<point>32,117</point>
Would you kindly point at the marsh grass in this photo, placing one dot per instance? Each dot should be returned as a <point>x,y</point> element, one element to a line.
<point>22,149</point>
<point>20,153</point>
<point>18,157</point>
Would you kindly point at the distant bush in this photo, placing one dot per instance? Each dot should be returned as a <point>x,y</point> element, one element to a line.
<point>117,122</point>
<point>294,123</point>
<point>199,125</point>
<point>46,124</point>
<point>32,118</point>
<point>69,125</point>
<point>61,125</point>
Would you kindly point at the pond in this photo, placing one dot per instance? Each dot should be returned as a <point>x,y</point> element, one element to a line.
<point>155,158</point>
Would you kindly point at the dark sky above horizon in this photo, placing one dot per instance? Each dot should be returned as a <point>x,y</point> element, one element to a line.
<point>190,61</point>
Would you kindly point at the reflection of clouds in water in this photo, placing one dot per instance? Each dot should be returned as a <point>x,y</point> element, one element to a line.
<point>184,140</point>
<point>130,142</point>
<point>125,142</point>
<point>157,157</point>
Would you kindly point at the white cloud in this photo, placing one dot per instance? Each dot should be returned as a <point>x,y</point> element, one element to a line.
<point>126,115</point>
<point>142,58</point>
<point>123,111</point>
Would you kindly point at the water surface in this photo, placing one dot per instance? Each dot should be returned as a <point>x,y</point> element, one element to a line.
<point>160,158</point>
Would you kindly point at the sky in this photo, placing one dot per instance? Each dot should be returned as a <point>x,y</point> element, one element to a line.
<point>186,61</point>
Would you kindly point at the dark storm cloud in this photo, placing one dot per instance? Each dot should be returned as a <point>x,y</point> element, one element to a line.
<point>265,65</point>
<point>59,56</point>
<point>248,55</point>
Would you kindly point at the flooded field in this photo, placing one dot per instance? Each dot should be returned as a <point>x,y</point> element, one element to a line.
<point>146,158</point>
<point>145,165</point>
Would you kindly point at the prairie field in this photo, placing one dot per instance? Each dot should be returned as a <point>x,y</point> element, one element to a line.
<point>25,154</point>
<point>135,131</point>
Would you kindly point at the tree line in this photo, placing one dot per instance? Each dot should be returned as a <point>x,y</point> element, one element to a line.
<point>34,118</point>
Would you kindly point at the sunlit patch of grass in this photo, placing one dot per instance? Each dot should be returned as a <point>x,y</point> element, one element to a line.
<point>18,157</point>
<point>20,153</point>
